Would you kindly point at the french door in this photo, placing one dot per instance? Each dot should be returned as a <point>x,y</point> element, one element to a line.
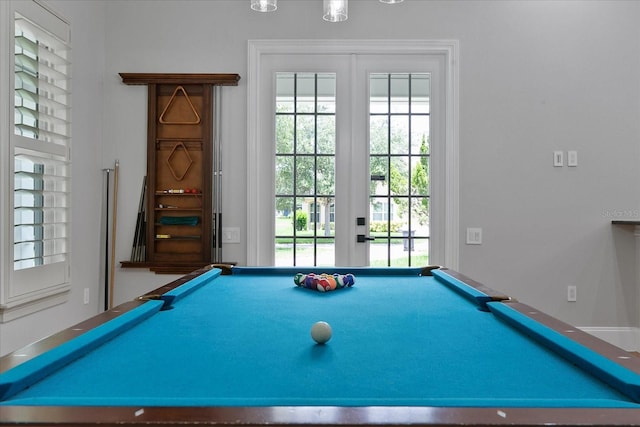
<point>347,146</point>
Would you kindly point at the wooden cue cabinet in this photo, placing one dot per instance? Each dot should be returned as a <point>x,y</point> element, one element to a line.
<point>179,192</point>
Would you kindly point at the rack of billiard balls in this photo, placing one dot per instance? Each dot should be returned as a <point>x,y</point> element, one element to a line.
<point>324,282</point>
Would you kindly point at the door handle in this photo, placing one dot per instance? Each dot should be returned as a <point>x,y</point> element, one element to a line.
<point>361,238</point>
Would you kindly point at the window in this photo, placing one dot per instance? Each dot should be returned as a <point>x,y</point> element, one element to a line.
<point>305,168</point>
<point>39,144</point>
<point>399,119</point>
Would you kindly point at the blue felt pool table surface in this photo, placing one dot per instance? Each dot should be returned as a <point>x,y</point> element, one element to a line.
<point>399,339</point>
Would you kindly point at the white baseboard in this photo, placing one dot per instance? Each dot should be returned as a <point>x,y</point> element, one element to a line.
<point>627,338</point>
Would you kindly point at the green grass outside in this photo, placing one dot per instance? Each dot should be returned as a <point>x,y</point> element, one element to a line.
<point>284,227</point>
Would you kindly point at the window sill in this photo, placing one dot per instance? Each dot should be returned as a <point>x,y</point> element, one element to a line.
<point>25,306</point>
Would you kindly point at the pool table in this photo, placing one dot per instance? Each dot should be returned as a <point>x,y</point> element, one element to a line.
<point>410,346</point>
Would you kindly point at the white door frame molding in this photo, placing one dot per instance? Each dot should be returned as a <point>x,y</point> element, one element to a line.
<point>445,193</point>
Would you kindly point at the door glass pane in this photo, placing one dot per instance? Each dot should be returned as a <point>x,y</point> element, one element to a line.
<point>326,90</point>
<point>379,134</point>
<point>305,92</point>
<point>325,178</point>
<point>285,224</point>
<point>399,175</point>
<point>305,169</point>
<point>378,94</point>
<point>305,130</point>
<point>284,127</point>
<point>284,89</point>
<point>419,134</point>
<point>420,88</point>
<point>399,134</point>
<point>399,89</point>
<point>284,175</point>
<point>326,134</point>
<point>399,165</point>
<point>304,179</point>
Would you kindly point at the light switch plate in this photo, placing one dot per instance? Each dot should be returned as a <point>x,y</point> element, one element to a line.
<point>558,158</point>
<point>474,236</point>
<point>230,235</point>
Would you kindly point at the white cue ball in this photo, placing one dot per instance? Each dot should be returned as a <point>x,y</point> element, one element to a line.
<point>321,332</point>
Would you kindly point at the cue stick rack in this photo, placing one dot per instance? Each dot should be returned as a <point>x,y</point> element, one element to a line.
<point>179,211</point>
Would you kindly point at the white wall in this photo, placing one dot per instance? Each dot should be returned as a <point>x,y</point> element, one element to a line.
<point>535,76</point>
<point>555,76</point>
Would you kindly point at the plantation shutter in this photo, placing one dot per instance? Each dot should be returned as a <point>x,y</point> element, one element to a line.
<point>40,144</point>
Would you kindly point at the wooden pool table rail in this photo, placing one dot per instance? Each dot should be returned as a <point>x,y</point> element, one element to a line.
<point>317,416</point>
<point>609,351</point>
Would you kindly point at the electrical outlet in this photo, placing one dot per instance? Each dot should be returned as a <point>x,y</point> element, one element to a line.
<point>572,293</point>
<point>572,158</point>
<point>86,295</point>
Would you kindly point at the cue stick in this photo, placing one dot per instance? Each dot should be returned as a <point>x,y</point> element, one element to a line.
<point>137,236</point>
<point>217,175</point>
<point>106,243</point>
<point>142,251</point>
<point>113,232</point>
